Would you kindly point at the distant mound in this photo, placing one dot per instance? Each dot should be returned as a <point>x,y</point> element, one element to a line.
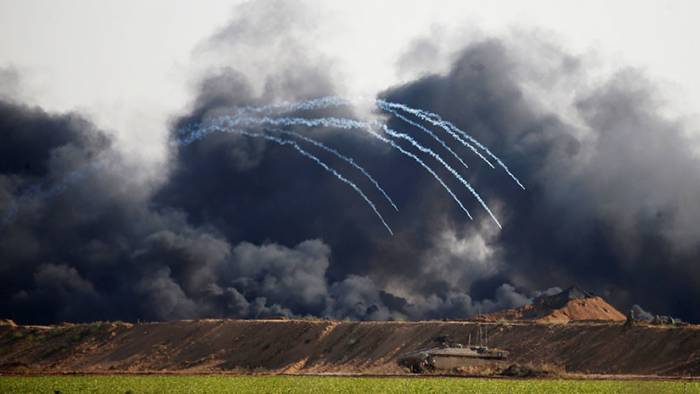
<point>7,322</point>
<point>572,304</point>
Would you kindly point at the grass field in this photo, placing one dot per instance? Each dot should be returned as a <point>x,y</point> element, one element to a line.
<point>313,384</point>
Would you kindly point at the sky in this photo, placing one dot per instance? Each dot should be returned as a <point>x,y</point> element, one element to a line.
<point>109,213</point>
<point>131,64</point>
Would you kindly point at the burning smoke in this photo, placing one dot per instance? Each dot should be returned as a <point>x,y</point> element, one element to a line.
<point>249,226</point>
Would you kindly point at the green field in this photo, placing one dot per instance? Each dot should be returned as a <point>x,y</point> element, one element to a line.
<point>313,384</point>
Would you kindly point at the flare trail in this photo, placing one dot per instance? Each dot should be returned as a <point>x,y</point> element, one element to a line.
<point>212,128</point>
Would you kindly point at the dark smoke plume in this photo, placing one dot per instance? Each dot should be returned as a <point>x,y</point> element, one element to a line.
<point>243,228</point>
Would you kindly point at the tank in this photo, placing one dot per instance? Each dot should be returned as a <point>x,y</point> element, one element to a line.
<point>449,357</point>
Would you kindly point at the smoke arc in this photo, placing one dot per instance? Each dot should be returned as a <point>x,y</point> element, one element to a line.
<point>436,120</point>
<point>341,123</point>
<point>430,117</point>
<point>203,132</point>
<point>347,159</point>
<point>424,129</point>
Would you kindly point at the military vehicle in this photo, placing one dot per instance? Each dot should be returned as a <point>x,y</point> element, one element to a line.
<point>448,356</point>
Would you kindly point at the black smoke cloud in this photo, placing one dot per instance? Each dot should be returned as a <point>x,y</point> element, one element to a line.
<point>217,239</point>
<point>244,228</point>
<point>611,199</point>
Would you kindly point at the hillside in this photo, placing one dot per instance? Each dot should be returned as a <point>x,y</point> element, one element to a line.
<point>571,304</point>
<point>305,346</point>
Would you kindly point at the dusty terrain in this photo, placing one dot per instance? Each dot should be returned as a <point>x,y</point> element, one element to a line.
<point>584,309</point>
<point>571,332</point>
<point>308,346</point>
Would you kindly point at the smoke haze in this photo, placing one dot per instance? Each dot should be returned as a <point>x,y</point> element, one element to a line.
<point>240,227</point>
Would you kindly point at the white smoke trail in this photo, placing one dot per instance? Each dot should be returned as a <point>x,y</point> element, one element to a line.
<point>286,106</point>
<point>347,159</point>
<point>436,120</point>
<point>202,132</point>
<point>333,101</point>
<point>444,164</point>
<point>343,123</point>
<point>424,129</point>
<point>432,118</point>
<point>194,133</point>
<point>408,109</point>
<point>351,123</point>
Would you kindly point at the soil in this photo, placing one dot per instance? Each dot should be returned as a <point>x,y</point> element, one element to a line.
<point>339,347</point>
<point>583,309</point>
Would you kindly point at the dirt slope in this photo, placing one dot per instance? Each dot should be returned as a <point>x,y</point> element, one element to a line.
<point>584,309</point>
<point>301,346</point>
<point>572,304</point>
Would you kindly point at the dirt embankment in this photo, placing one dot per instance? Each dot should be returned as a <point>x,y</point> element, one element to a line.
<point>583,309</point>
<point>301,346</point>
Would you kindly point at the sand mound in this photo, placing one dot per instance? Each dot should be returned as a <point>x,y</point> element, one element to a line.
<point>570,305</point>
<point>7,322</point>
